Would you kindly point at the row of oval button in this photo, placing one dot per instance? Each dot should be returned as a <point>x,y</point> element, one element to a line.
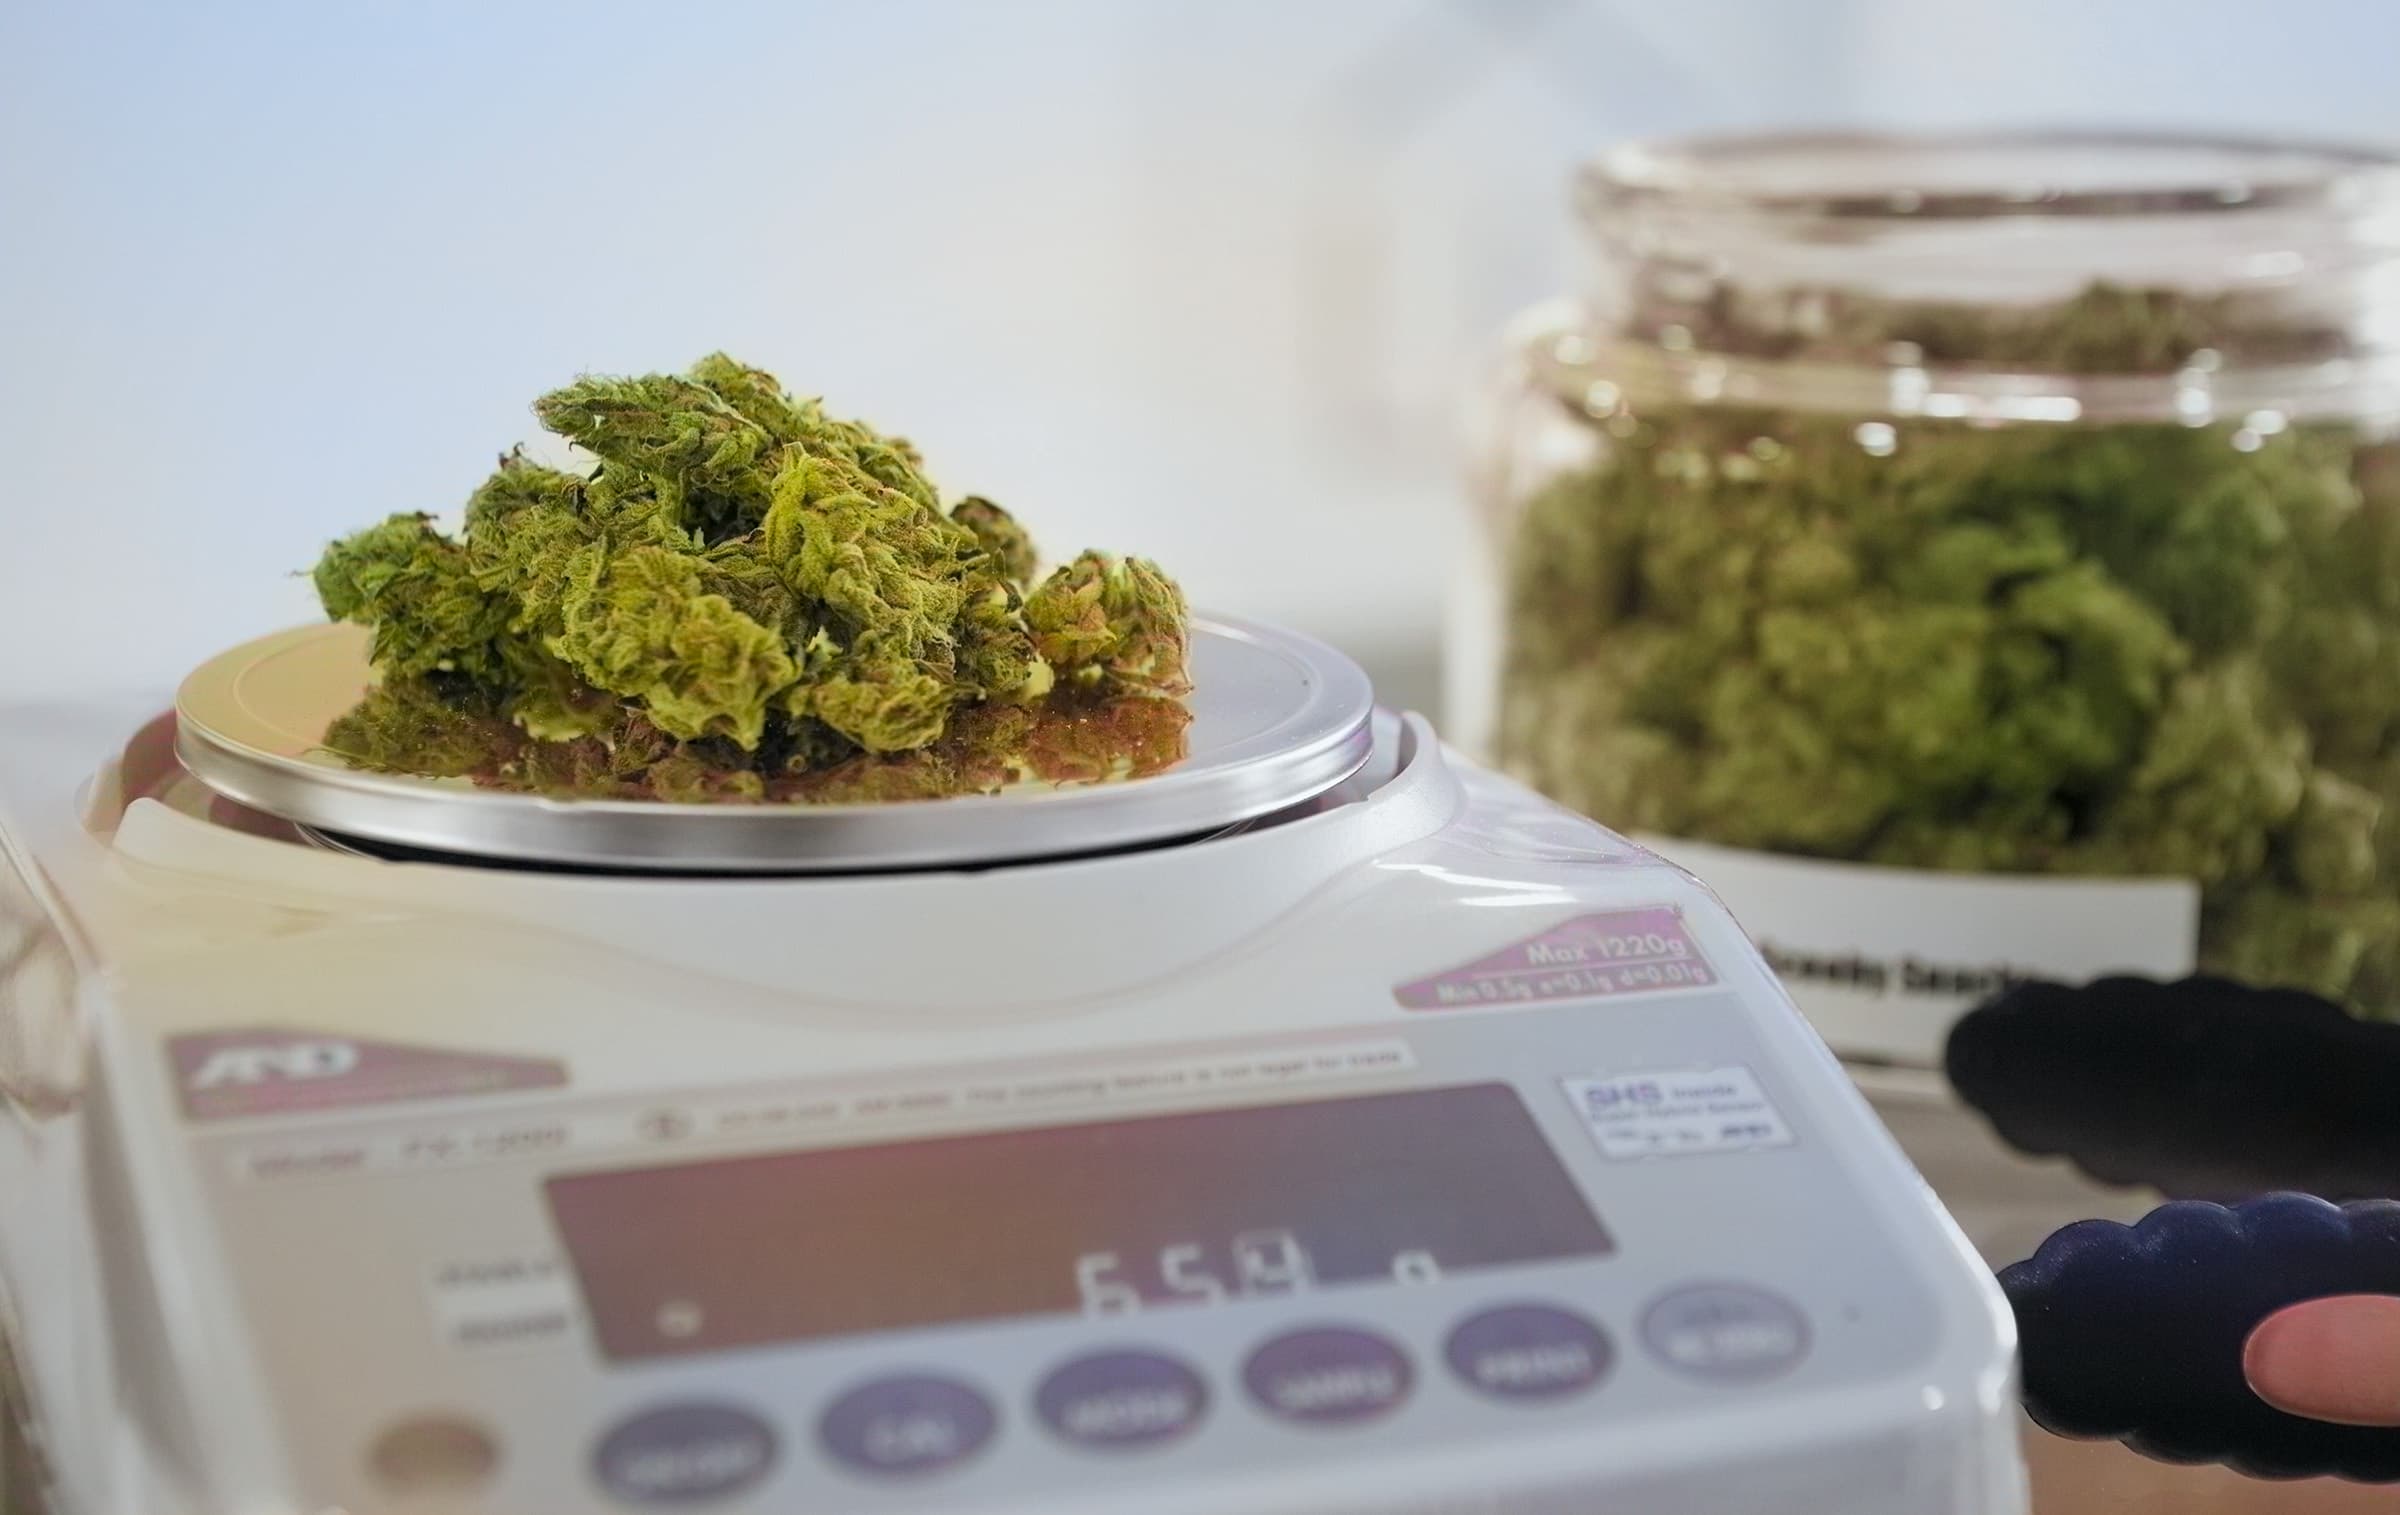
<point>1125,1400</point>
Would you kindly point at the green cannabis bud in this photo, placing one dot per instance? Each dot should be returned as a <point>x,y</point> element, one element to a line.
<point>1011,548</point>
<point>744,598</point>
<point>2094,649</point>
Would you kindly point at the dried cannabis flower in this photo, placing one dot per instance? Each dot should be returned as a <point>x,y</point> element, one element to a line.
<point>746,598</point>
<point>2096,649</point>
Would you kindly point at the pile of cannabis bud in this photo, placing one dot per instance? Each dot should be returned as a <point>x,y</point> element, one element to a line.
<point>2098,649</point>
<point>743,598</point>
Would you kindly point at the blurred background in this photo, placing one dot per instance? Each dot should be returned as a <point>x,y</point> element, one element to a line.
<point>1204,279</point>
<point>1210,280</point>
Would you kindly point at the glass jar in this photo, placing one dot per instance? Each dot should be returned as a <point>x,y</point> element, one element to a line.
<point>1977,556</point>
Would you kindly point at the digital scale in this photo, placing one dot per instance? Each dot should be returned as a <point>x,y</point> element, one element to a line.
<point>1322,1125</point>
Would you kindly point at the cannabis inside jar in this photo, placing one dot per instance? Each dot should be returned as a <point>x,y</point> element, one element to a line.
<point>1840,624</point>
<point>743,598</point>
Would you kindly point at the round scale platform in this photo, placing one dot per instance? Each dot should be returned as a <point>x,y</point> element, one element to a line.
<point>1277,719</point>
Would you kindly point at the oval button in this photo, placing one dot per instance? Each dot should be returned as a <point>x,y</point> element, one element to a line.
<point>1331,1375</point>
<point>1112,1400</point>
<point>896,1427</point>
<point>684,1454</point>
<point>1529,1352</point>
<point>434,1454</point>
<point>1725,1333</point>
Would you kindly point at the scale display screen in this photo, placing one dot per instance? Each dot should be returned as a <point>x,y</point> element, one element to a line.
<point>1110,1217</point>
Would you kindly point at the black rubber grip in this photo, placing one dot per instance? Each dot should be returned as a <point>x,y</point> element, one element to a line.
<point>2135,1333</point>
<point>2203,1088</point>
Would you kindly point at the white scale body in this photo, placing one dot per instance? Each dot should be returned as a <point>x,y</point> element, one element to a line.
<point>339,1184</point>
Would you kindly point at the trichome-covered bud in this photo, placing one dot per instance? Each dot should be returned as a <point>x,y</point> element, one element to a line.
<point>676,434</point>
<point>1118,622</point>
<point>639,624</point>
<point>1010,545</point>
<point>742,598</point>
<point>414,586</point>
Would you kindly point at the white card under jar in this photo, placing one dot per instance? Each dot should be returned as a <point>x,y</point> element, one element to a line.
<point>1883,961</point>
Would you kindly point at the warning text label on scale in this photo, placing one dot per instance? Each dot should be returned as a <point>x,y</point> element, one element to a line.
<point>1678,1112</point>
<point>1616,952</point>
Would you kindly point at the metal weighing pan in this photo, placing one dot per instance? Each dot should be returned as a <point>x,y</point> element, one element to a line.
<point>1277,719</point>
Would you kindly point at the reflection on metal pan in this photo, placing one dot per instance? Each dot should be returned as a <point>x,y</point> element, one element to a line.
<point>1277,719</point>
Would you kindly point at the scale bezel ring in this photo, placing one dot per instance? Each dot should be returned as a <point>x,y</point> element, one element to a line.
<point>1277,719</point>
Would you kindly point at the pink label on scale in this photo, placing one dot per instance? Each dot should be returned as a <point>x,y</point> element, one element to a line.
<point>1590,957</point>
<point>267,1070</point>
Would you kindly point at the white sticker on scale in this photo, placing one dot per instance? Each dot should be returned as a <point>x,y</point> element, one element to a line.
<point>1883,960</point>
<point>1677,1112</point>
<point>483,1304</point>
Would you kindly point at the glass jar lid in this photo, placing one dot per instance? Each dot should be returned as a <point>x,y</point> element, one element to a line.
<point>2030,276</point>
